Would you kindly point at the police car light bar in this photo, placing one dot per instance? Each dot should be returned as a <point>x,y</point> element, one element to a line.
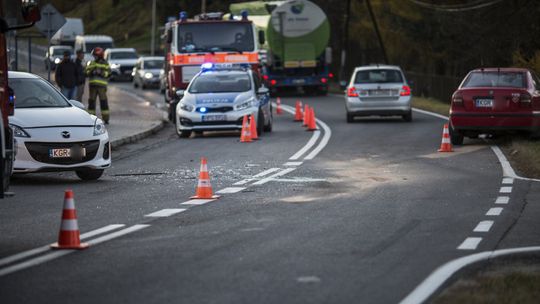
<point>224,66</point>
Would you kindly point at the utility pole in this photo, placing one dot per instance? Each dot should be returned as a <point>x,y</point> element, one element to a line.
<point>153,35</point>
<point>345,44</point>
<point>203,6</point>
<point>376,26</point>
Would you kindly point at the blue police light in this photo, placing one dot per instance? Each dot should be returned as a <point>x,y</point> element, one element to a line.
<point>203,110</point>
<point>183,16</point>
<point>244,14</point>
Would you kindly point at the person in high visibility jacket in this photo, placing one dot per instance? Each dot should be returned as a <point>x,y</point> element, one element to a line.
<point>98,71</point>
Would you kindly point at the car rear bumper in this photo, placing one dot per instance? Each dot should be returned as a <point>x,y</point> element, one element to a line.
<point>379,106</point>
<point>495,122</point>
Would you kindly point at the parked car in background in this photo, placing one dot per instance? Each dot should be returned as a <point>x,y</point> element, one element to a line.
<point>55,134</point>
<point>87,43</point>
<point>66,34</point>
<point>122,62</point>
<point>380,90</point>
<point>55,54</point>
<point>147,72</point>
<point>494,101</point>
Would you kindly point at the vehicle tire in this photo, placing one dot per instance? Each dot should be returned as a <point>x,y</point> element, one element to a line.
<point>143,87</point>
<point>456,138</point>
<point>350,118</point>
<point>135,85</point>
<point>184,134</point>
<point>260,123</point>
<point>172,110</point>
<point>268,128</point>
<point>408,117</point>
<point>89,174</point>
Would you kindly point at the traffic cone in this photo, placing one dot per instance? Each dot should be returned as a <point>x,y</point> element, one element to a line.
<point>245,135</point>
<point>279,111</point>
<point>204,189</point>
<point>298,111</point>
<point>446,144</point>
<point>306,116</point>
<point>69,236</point>
<point>312,123</point>
<point>253,128</point>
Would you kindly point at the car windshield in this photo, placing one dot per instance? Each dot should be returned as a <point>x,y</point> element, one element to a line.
<point>124,55</point>
<point>495,79</point>
<point>92,45</point>
<point>36,93</point>
<point>153,64</point>
<point>378,76</point>
<point>220,83</point>
<point>207,37</point>
<point>60,51</point>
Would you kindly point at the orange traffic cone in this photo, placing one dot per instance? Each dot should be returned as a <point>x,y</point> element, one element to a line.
<point>204,189</point>
<point>279,111</point>
<point>253,127</point>
<point>306,116</point>
<point>245,135</point>
<point>312,123</point>
<point>298,111</point>
<point>69,236</point>
<point>446,145</point>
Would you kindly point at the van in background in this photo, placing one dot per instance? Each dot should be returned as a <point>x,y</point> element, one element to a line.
<point>87,43</point>
<point>67,33</point>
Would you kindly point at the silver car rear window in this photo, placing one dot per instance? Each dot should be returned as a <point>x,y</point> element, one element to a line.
<point>378,76</point>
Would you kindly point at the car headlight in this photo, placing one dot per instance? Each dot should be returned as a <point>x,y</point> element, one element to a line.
<point>115,66</point>
<point>246,104</point>
<point>18,131</point>
<point>99,127</point>
<point>57,60</point>
<point>186,107</point>
<point>148,75</point>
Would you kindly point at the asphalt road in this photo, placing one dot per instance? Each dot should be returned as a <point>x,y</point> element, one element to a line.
<point>372,214</point>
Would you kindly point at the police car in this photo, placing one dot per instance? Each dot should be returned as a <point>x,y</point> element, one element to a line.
<point>218,98</point>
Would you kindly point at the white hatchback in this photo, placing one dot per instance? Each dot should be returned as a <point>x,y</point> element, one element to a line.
<point>378,90</point>
<point>53,133</point>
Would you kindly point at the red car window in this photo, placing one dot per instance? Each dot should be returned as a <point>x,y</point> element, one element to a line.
<point>496,79</point>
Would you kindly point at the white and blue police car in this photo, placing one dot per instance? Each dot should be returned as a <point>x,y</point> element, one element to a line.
<point>218,98</point>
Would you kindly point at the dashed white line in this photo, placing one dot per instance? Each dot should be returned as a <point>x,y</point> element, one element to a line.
<point>494,211</point>
<point>271,177</point>
<point>165,212</point>
<point>259,175</point>
<point>231,190</point>
<point>470,243</point>
<point>197,202</point>
<point>508,181</point>
<point>289,164</point>
<point>483,226</point>
<point>117,234</point>
<point>502,200</point>
<point>506,190</point>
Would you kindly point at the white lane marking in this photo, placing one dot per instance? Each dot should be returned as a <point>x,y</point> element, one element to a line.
<point>494,211</point>
<point>308,279</point>
<point>483,226</point>
<point>324,140</point>
<point>506,190</point>
<point>508,171</point>
<point>271,177</point>
<point>31,252</point>
<point>261,174</point>
<point>430,113</point>
<point>197,202</point>
<point>299,180</point>
<point>231,190</point>
<point>508,181</point>
<point>57,254</point>
<point>502,200</point>
<point>165,212</point>
<point>437,278</point>
<point>287,164</point>
<point>470,243</point>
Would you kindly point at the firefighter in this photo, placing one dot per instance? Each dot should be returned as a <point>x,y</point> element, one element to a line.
<point>98,71</point>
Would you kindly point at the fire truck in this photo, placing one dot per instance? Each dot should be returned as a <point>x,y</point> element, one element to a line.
<point>14,15</point>
<point>209,37</point>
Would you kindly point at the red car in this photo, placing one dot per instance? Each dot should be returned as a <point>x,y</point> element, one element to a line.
<point>493,101</point>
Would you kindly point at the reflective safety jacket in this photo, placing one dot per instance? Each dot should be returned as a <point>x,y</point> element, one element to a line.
<point>98,71</point>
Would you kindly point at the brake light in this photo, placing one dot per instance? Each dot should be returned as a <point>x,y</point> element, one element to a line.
<point>351,92</point>
<point>525,98</point>
<point>265,77</point>
<point>457,99</point>
<point>405,91</point>
<point>324,80</point>
<point>330,75</point>
<point>273,82</point>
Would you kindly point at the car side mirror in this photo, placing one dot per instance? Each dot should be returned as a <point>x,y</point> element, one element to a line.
<point>180,93</point>
<point>263,91</point>
<point>77,104</point>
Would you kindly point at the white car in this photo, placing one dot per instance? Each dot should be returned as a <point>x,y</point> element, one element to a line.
<point>122,62</point>
<point>53,133</point>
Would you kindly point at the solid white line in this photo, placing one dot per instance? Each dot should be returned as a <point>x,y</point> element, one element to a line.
<point>430,113</point>
<point>494,211</point>
<point>506,190</point>
<point>197,202</point>
<point>281,173</point>
<point>502,200</point>
<point>508,181</point>
<point>437,278</point>
<point>231,190</point>
<point>308,146</point>
<point>165,212</point>
<point>293,163</point>
<point>324,141</point>
<point>483,226</point>
<point>117,234</point>
<point>470,243</point>
<point>29,253</point>
<point>261,174</point>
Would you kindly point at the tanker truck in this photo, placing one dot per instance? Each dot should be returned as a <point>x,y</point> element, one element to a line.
<point>295,53</point>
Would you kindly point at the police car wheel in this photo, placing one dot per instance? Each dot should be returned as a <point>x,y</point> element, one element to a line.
<point>184,134</point>
<point>260,122</point>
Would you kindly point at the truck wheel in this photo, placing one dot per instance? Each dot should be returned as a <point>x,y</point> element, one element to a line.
<point>90,174</point>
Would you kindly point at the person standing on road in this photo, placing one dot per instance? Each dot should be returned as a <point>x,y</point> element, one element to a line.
<point>66,76</point>
<point>81,77</point>
<point>98,72</point>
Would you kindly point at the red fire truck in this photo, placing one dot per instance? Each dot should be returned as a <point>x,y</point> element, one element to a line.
<point>13,15</point>
<point>208,37</point>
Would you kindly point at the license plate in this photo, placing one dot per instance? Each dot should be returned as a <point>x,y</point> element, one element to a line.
<point>484,103</point>
<point>379,92</point>
<point>127,72</point>
<point>299,81</point>
<point>214,117</point>
<point>60,153</point>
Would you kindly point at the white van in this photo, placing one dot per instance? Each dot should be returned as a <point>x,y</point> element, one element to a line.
<point>87,43</point>
<point>67,33</point>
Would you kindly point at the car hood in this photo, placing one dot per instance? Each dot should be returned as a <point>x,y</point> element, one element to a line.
<point>47,117</point>
<point>123,61</point>
<point>217,98</point>
<point>153,71</point>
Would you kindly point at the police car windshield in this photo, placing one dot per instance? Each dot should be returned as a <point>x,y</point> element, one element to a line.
<point>220,83</point>
<point>215,37</point>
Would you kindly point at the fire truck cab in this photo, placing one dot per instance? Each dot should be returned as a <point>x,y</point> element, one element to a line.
<point>209,37</point>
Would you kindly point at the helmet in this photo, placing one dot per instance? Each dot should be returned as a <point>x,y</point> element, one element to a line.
<point>98,52</point>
